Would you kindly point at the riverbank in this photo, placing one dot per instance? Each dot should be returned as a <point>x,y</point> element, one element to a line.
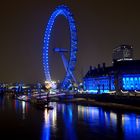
<point>115,102</point>
<point>124,103</point>
<point>92,102</point>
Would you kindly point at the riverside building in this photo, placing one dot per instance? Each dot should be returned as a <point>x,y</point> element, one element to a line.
<point>122,76</point>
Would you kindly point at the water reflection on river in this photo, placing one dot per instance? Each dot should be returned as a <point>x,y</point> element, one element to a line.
<point>74,122</point>
<point>90,122</point>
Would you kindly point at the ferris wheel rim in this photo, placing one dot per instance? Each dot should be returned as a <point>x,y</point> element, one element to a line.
<point>66,12</point>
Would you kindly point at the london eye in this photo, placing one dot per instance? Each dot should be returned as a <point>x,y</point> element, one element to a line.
<point>70,64</point>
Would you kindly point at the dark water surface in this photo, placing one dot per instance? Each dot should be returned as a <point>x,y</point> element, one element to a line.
<point>20,120</point>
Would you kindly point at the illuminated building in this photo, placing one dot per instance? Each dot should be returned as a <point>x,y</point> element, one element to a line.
<point>122,52</point>
<point>122,76</point>
<point>99,80</point>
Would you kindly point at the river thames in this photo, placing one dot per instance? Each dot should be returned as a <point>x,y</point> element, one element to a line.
<point>20,120</point>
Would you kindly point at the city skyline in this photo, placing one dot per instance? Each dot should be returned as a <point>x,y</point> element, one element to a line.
<point>101,27</point>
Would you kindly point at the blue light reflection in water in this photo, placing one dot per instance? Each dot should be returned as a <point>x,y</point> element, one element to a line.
<point>70,133</point>
<point>83,121</point>
<point>50,122</point>
<point>131,126</point>
<point>67,122</point>
<point>50,119</point>
<point>46,127</point>
<point>22,107</point>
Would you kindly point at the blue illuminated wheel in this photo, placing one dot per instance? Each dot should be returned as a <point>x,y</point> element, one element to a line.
<point>63,11</point>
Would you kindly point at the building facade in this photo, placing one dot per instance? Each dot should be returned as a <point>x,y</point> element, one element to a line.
<point>122,52</point>
<point>122,76</point>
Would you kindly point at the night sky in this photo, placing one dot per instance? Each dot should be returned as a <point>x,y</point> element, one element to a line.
<point>101,24</point>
